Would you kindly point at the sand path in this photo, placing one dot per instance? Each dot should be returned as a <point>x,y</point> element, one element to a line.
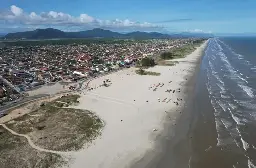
<point>31,143</point>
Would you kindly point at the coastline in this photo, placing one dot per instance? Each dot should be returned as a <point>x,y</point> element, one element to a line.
<point>135,122</point>
<point>174,145</point>
<point>141,114</point>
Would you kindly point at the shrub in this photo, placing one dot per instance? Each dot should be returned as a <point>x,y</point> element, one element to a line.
<point>167,55</point>
<point>143,72</point>
<point>147,62</point>
<point>40,127</point>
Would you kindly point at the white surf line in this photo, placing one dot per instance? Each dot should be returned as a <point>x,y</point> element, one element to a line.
<point>233,137</point>
<point>31,143</point>
<point>253,147</point>
<point>189,162</point>
<point>250,164</point>
<point>244,143</point>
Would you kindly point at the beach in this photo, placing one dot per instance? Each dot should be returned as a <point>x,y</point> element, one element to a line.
<point>136,110</point>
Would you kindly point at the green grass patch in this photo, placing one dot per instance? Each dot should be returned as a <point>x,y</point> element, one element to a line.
<point>56,128</point>
<point>65,101</point>
<point>180,52</point>
<point>16,152</point>
<point>167,63</point>
<point>144,72</point>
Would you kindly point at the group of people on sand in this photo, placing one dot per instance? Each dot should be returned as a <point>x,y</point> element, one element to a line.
<point>173,91</point>
<point>155,86</point>
<point>105,83</point>
<point>166,100</point>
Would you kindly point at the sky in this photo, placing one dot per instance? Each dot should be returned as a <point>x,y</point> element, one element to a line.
<point>202,16</point>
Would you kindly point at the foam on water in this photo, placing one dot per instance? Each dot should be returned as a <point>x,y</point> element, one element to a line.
<point>233,107</point>
<point>246,104</point>
<point>248,90</point>
<point>218,78</point>
<point>222,105</point>
<point>218,104</point>
<point>221,86</point>
<point>253,147</point>
<point>233,73</point>
<point>226,123</point>
<point>237,76</point>
<point>250,164</point>
<point>231,94</point>
<point>239,56</point>
<point>224,96</point>
<point>245,144</point>
<point>211,65</point>
<point>236,119</point>
<point>220,141</point>
<point>242,79</point>
<point>253,115</point>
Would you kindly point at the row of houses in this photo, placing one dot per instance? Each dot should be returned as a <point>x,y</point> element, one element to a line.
<point>27,67</point>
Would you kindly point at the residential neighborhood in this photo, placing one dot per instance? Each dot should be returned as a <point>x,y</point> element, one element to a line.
<point>26,67</point>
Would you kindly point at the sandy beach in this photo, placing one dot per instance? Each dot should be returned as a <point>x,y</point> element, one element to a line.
<point>134,109</point>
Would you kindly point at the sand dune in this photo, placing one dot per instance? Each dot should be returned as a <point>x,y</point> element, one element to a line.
<point>134,114</point>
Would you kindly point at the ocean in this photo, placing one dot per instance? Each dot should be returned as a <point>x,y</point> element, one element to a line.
<point>224,134</point>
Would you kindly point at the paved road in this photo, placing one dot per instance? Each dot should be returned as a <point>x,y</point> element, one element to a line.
<point>5,108</point>
<point>14,104</point>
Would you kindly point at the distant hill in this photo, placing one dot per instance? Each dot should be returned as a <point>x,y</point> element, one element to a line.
<point>48,33</point>
<point>2,34</point>
<point>139,34</point>
<point>191,35</point>
<point>51,33</point>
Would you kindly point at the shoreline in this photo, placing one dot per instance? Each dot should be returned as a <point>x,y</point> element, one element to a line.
<point>174,145</point>
<point>133,126</point>
<point>140,113</point>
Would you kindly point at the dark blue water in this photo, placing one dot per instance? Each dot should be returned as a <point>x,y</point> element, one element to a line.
<point>230,66</point>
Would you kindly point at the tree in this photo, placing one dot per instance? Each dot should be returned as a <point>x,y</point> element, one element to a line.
<point>167,55</point>
<point>147,62</point>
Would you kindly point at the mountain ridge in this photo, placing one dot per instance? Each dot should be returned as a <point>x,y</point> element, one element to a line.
<point>51,33</point>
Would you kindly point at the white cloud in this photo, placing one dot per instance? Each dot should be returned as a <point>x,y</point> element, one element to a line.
<point>84,18</point>
<point>16,15</point>
<point>198,31</point>
<point>33,15</point>
<point>16,10</point>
